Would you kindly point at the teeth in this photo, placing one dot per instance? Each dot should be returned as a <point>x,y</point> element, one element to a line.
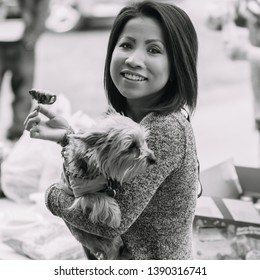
<point>133,77</point>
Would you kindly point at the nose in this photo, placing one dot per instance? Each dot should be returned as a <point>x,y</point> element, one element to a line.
<point>135,59</point>
<point>151,159</point>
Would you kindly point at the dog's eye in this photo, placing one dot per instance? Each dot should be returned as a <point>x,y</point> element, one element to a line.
<point>132,145</point>
<point>133,148</point>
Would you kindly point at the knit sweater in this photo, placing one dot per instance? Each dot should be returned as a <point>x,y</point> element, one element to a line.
<point>157,206</point>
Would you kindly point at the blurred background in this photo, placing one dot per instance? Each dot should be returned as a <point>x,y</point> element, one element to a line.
<point>70,60</point>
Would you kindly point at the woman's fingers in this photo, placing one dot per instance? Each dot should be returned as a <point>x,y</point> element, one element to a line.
<point>49,114</point>
<point>31,115</point>
<point>32,122</point>
<point>34,132</point>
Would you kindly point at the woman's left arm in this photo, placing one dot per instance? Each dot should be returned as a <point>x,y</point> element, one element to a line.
<point>168,141</point>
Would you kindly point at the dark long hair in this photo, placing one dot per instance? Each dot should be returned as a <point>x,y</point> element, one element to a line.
<point>182,47</point>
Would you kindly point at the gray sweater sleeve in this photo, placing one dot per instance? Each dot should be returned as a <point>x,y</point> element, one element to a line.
<point>168,141</point>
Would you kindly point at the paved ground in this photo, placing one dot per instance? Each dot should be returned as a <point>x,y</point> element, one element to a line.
<point>223,123</point>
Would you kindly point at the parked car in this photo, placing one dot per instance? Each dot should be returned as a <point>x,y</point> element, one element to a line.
<point>66,15</point>
<point>8,8</point>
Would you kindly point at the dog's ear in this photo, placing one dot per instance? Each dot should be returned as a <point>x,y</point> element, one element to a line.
<point>92,139</point>
<point>110,111</point>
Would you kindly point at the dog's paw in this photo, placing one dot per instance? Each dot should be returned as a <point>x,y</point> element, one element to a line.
<point>100,255</point>
<point>114,223</point>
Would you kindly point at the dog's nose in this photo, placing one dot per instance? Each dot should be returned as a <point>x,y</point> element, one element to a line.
<point>151,159</point>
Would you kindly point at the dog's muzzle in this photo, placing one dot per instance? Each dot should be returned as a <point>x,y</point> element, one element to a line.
<point>151,159</point>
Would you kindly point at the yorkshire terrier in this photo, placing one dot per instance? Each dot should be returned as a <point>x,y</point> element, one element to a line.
<point>109,153</point>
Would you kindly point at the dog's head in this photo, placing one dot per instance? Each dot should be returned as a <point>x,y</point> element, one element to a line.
<point>117,146</point>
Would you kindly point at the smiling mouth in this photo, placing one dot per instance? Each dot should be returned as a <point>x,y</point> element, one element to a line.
<point>133,77</point>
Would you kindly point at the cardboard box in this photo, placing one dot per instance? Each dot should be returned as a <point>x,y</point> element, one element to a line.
<point>223,186</point>
<point>229,181</point>
<point>221,180</point>
<point>221,211</point>
<point>249,178</point>
<point>226,227</point>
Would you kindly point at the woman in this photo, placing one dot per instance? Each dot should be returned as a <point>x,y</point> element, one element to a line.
<point>150,76</point>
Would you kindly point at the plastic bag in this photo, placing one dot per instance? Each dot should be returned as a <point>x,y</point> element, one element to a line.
<point>22,169</point>
<point>33,165</point>
<point>51,242</point>
<point>31,230</point>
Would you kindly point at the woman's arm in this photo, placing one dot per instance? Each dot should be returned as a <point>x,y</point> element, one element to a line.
<point>168,141</point>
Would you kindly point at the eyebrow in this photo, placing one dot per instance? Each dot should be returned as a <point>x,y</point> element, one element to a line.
<point>147,41</point>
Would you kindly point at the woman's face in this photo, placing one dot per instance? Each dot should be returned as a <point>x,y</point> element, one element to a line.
<point>140,65</point>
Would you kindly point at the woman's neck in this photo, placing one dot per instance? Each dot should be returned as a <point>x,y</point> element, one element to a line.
<point>134,112</point>
<point>138,108</point>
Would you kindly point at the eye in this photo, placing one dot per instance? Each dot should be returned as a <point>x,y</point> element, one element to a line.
<point>133,145</point>
<point>134,149</point>
<point>154,50</point>
<point>125,45</point>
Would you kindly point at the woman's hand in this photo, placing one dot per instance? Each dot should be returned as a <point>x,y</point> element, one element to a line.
<point>53,129</point>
